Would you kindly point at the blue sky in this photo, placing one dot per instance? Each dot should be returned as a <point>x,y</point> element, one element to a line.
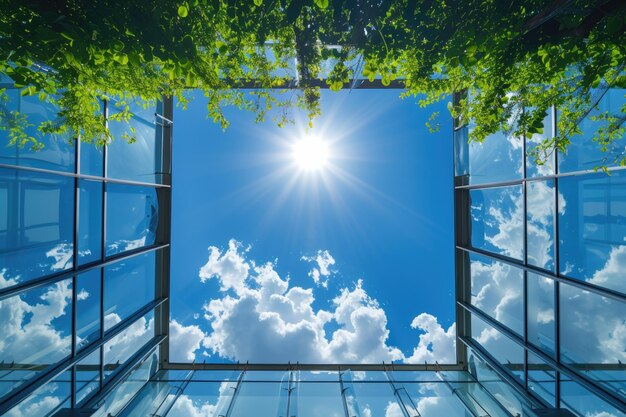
<point>381,208</point>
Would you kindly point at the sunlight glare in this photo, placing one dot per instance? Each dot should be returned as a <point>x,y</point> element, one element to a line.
<point>310,153</point>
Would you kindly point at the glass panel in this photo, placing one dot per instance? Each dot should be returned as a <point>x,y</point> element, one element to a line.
<point>89,221</point>
<point>47,400</point>
<point>140,160</point>
<point>37,226</point>
<point>582,402</point>
<point>547,166</point>
<point>132,217</point>
<point>215,375</point>
<point>592,228</point>
<point>88,299</point>
<point>133,382</point>
<point>541,325</point>
<point>593,337</point>
<point>540,223</point>
<point>508,353</point>
<point>327,376</point>
<point>497,289</point>
<point>259,399</point>
<point>202,399</point>
<point>317,399</point>
<point>435,399</point>
<point>583,153</point>
<point>128,286</point>
<point>119,349</point>
<point>418,376</point>
<point>87,376</point>
<point>498,158</point>
<point>497,220</point>
<point>36,331</point>
<point>541,379</point>
<point>374,399</point>
<point>461,153</point>
<point>58,151</point>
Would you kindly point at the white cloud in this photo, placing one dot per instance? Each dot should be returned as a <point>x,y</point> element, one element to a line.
<point>436,344</point>
<point>185,407</point>
<point>612,274</point>
<point>62,254</point>
<point>393,410</point>
<point>260,317</point>
<point>82,295</point>
<point>125,344</point>
<point>184,341</point>
<point>324,260</point>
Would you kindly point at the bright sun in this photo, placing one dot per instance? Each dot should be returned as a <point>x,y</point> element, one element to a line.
<point>310,153</point>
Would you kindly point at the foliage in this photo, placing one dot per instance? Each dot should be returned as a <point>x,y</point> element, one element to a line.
<point>514,59</point>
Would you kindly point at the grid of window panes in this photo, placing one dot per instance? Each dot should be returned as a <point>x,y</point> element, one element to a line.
<point>83,239</point>
<point>541,262</point>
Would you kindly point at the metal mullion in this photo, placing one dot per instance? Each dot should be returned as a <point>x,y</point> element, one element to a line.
<point>604,292</point>
<point>105,111</point>
<point>59,368</point>
<point>557,365</point>
<point>83,176</point>
<point>525,257</point>
<point>208,366</point>
<point>557,266</point>
<point>538,178</point>
<point>51,279</point>
<point>75,267</point>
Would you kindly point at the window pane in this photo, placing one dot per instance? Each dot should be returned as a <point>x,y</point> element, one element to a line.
<point>132,217</point>
<point>541,379</point>
<point>87,376</point>
<point>497,220</point>
<point>593,339</point>
<point>37,226</point>
<point>140,160</point>
<point>508,353</point>
<point>540,223</point>
<point>583,153</point>
<point>461,152</point>
<point>317,399</point>
<point>47,400</point>
<point>202,399</point>
<point>541,325</point>
<point>583,403</point>
<point>58,151</point>
<point>123,346</point>
<point>128,286</point>
<point>259,399</point>
<point>36,331</point>
<point>498,158</point>
<point>88,301</point>
<point>374,399</point>
<point>497,289</point>
<point>592,228</point>
<point>547,167</point>
<point>89,221</point>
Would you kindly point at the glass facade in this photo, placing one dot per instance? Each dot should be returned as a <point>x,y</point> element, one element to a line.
<point>540,269</point>
<point>84,286</point>
<point>83,244</point>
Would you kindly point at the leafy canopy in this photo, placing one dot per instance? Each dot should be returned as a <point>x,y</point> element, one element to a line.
<point>514,59</point>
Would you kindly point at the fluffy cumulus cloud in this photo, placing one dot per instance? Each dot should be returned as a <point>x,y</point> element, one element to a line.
<point>436,344</point>
<point>259,317</point>
<point>324,261</point>
<point>612,274</point>
<point>184,341</point>
<point>185,407</point>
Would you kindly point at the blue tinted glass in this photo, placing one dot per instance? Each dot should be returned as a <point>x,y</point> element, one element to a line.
<point>87,376</point>
<point>132,217</point>
<point>593,336</point>
<point>36,330</point>
<point>259,399</point>
<point>584,403</point>
<point>316,399</point>
<point>88,307</point>
<point>139,160</point>
<point>89,221</point>
<point>541,379</point>
<point>498,158</point>
<point>497,220</point>
<point>47,400</point>
<point>200,398</point>
<point>540,315</point>
<point>540,223</point>
<point>36,224</point>
<point>546,164</point>
<point>123,346</point>
<point>504,350</point>
<point>583,153</point>
<point>91,159</point>
<point>592,229</point>
<point>58,151</point>
<point>461,152</point>
<point>497,289</point>
<point>128,286</point>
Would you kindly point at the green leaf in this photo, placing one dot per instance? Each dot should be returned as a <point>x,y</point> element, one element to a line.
<point>183,11</point>
<point>258,3</point>
<point>322,4</point>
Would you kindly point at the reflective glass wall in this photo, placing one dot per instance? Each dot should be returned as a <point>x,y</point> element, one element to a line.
<point>541,264</point>
<point>84,238</point>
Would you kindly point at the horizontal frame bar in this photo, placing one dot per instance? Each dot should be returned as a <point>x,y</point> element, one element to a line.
<point>604,292</point>
<point>60,276</point>
<point>312,367</point>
